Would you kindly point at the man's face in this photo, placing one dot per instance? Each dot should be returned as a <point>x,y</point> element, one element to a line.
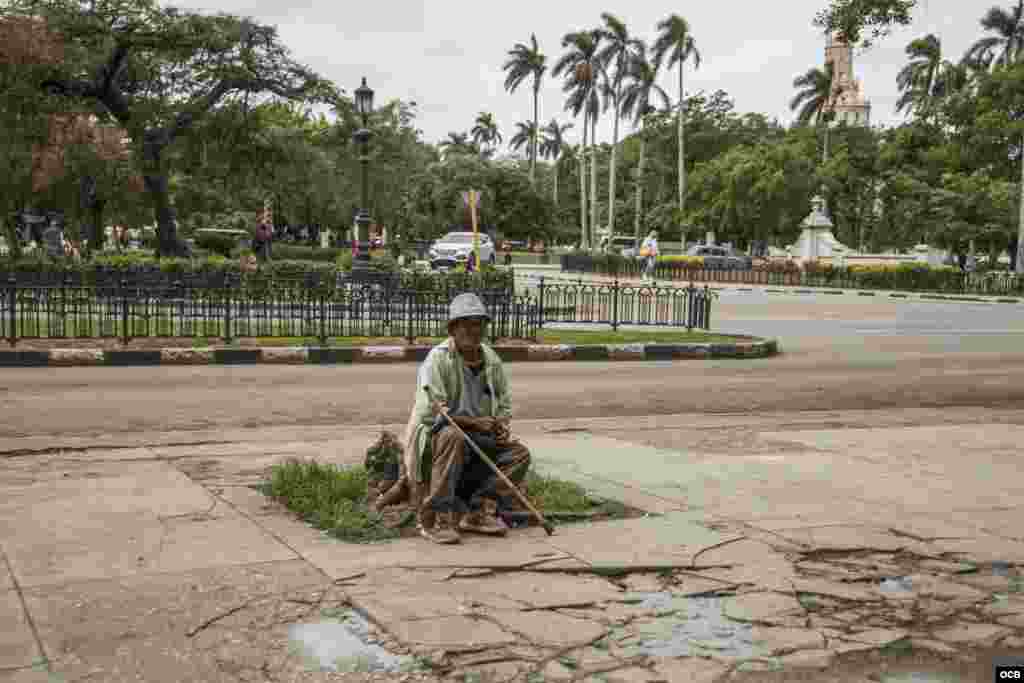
<point>468,332</point>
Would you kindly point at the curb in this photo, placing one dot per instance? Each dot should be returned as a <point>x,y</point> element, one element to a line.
<point>747,347</point>
<point>774,289</point>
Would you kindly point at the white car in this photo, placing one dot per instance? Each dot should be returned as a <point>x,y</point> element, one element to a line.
<point>455,248</point>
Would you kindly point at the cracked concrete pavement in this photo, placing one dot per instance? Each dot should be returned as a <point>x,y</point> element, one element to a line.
<point>848,511</point>
<point>810,552</point>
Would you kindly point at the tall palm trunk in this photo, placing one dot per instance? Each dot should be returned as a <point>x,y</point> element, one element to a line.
<point>554,197</point>
<point>682,146</point>
<point>533,142</point>
<point>583,186</point>
<point>1020,224</point>
<point>593,177</point>
<point>640,184</point>
<point>611,167</point>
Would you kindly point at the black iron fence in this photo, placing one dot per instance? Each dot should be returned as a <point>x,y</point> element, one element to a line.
<point>617,303</point>
<point>321,309</point>
<point>908,277</point>
<point>127,311</point>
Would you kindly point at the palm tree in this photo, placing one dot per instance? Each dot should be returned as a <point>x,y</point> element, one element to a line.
<point>485,131</point>
<point>581,66</point>
<point>814,98</point>
<point>526,133</point>
<point>458,143</point>
<point>526,61</point>
<point>617,52</point>
<point>1004,48</point>
<point>675,41</point>
<point>641,87</point>
<point>917,80</point>
<point>552,146</point>
<point>1007,45</point>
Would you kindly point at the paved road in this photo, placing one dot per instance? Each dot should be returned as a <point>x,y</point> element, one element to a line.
<point>838,354</point>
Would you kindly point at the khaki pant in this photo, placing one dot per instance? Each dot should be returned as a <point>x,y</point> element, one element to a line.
<point>461,480</point>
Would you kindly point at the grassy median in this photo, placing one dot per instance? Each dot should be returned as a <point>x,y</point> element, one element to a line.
<point>577,337</point>
<point>333,498</point>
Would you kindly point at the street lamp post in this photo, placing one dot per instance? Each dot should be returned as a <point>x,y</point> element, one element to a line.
<point>364,105</point>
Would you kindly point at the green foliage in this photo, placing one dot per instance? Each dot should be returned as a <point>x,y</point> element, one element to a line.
<point>217,243</point>
<point>850,18</point>
<point>329,497</point>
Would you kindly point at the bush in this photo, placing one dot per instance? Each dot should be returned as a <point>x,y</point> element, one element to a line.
<point>216,243</point>
<point>294,252</point>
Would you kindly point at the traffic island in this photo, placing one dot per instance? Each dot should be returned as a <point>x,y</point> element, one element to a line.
<point>550,345</point>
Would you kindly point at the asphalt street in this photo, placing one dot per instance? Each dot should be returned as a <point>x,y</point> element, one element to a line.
<point>838,353</point>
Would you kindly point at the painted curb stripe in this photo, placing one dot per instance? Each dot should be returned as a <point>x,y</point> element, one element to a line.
<point>585,352</point>
<point>24,359</point>
<point>354,355</point>
<point>237,356</point>
<point>133,357</point>
<point>331,355</point>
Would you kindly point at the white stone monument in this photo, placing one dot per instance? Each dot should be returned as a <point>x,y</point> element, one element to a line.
<point>817,239</point>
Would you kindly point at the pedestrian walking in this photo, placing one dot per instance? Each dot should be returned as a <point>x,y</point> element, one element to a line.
<point>649,252</point>
<point>261,241</point>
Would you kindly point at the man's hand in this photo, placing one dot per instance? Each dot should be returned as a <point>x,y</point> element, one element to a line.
<point>437,406</point>
<point>503,431</point>
<point>486,425</point>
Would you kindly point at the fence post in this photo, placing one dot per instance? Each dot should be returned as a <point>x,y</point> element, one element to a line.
<point>323,318</point>
<point>227,310</point>
<point>125,335</point>
<point>690,301</point>
<point>409,315</point>
<point>540,290</point>
<point>615,305</point>
<point>707,308</point>
<point>12,313</point>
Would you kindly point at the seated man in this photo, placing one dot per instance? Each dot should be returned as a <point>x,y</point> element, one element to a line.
<point>466,377</point>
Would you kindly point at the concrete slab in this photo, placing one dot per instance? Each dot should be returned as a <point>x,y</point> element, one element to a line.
<point>549,628</point>
<point>137,628</point>
<point>452,634</point>
<point>780,641</point>
<point>17,645</point>
<point>965,633</point>
<point>690,669</point>
<point>547,591</point>
<point>762,607</point>
<point>668,540</point>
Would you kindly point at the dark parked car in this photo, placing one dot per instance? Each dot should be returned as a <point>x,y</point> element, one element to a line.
<point>721,258</point>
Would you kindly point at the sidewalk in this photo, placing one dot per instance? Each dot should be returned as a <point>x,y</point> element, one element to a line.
<point>533,274</point>
<point>798,547</point>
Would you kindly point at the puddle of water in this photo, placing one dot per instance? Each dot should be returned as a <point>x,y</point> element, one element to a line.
<point>919,678</point>
<point>342,645</point>
<point>897,585</point>
<point>690,626</point>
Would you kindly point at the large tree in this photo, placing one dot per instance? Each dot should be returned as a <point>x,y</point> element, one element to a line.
<point>158,70</point>
<point>619,49</point>
<point>1005,44</point>
<point>527,61</point>
<point>485,131</point>
<point>861,22</point>
<point>675,41</point>
<point>638,98</point>
<point>918,80</point>
<point>814,98</point>
<point>581,65</point>
<point>551,147</point>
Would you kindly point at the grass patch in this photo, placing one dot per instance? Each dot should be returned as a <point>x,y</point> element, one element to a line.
<point>329,497</point>
<point>332,498</point>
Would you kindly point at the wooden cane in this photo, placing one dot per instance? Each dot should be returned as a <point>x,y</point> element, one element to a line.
<point>548,526</point>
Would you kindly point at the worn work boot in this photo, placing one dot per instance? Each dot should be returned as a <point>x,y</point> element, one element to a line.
<point>484,521</point>
<point>438,527</point>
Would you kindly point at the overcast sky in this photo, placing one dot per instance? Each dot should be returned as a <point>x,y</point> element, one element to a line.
<point>447,54</point>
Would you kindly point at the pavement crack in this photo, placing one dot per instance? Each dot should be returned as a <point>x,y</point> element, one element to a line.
<point>57,450</point>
